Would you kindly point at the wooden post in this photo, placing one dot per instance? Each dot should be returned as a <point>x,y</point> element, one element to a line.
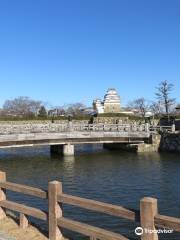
<point>55,211</point>
<point>148,210</point>
<point>23,221</point>
<point>2,194</point>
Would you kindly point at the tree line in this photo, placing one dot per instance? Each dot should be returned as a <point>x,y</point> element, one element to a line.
<point>26,107</point>
<point>164,103</point>
<point>29,108</point>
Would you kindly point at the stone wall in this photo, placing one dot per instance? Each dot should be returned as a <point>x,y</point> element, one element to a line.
<point>96,120</point>
<point>170,142</point>
<point>41,122</point>
<point>167,142</point>
<point>112,108</point>
<point>111,120</point>
<point>120,120</point>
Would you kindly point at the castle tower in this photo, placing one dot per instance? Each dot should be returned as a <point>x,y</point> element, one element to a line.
<point>98,106</point>
<point>112,101</point>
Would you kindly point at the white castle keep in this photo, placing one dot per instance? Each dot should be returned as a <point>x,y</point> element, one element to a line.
<point>110,104</point>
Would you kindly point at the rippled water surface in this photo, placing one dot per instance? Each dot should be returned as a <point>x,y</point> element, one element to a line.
<point>116,177</point>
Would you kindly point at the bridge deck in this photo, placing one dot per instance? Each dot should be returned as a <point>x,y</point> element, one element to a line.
<point>52,134</point>
<point>32,139</point>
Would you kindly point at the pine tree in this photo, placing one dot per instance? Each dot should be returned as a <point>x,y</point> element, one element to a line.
<point>42,112</point>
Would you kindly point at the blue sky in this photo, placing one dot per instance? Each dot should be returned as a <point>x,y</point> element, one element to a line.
<point>64,51</point>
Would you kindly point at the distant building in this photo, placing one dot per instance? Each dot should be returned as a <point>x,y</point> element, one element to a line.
<point>88,111</point>
<point>98,106</point>
<point>56,112</point>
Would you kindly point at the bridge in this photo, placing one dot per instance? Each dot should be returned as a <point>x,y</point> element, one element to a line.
<point>62,137</point>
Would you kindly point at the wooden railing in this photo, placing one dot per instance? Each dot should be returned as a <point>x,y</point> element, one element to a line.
<point>21,208</point>
<point>148,215</point>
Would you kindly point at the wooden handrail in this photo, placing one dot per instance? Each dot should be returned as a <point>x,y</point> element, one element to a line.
<point>167,222</point>
<point>36,192</point>
<point>33,212</point>
<point>149,216</point>
<point>88,230</point>
<point>97,206</point>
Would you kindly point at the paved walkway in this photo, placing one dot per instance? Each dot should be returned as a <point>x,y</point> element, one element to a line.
<point>4,236</point>
<point>9,230</point>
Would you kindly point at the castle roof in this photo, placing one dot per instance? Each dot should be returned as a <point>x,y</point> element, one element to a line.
<point>111,96</point>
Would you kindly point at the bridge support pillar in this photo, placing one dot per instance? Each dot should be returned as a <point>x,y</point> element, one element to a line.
<point>68,150</point>
<point>65,149</point>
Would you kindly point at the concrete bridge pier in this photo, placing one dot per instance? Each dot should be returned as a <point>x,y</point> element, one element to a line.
<point>63,149</point>
<point>68,150</point>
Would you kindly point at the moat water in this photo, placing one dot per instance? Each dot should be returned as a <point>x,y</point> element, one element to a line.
<point>116,177</point>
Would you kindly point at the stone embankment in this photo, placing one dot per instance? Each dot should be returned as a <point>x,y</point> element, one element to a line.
<point>152,146</point>
<point>170,142</point>
<point>166,142</point>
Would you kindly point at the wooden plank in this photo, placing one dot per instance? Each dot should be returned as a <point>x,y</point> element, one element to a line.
<point>30,211</point>
<point>24,189</point>
<point>55,211</point>
<point>88,230</point>
<point>167,222</point>
<point>93,205</point>
<point>93,238</point>
<point>23,221</point>
<point>2,194</point>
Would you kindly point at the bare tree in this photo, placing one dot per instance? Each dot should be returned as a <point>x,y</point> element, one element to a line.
<point>22,106</point>
<point>141,105</point>
<point>75,109</point>
<point>163,94</point>
<point>156,108</point>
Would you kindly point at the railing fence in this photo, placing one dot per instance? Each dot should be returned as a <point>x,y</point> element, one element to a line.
<point>53,127</point>
<point>148,215</point>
